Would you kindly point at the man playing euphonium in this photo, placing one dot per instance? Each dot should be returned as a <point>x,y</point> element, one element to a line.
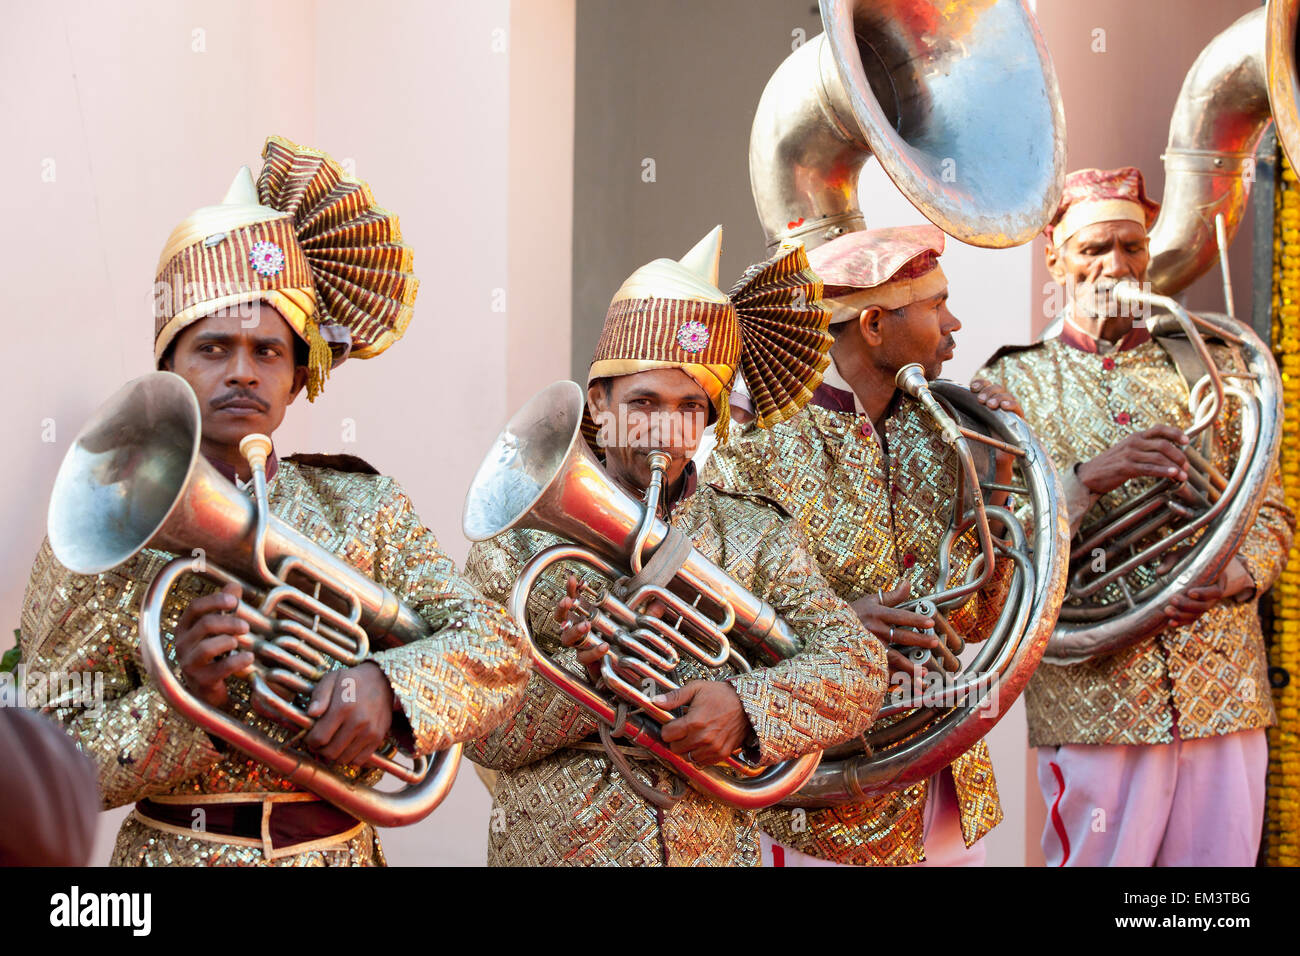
<point>256,298</point>
<point>1156,753</point>
<point>669,351</point>
<point>866,473</point>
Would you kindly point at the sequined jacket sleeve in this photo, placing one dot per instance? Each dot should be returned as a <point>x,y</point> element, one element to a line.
<point>1264,550</point>
<point>548,720</point>
<point>830,691</point>
<point>470,673</point>
<point>84,628</point>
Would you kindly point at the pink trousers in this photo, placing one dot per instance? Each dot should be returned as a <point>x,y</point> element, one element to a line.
<point>1186,803</point>
<point>944,844</point>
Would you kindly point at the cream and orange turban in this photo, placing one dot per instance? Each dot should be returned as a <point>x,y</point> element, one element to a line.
<point>1101,195</point>
<point>889,268</point>
<point>308,240</point>
<point>771,325</point>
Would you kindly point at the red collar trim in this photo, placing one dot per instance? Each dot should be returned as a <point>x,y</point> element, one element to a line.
<point>834,399</point>
<point>1084,342</point>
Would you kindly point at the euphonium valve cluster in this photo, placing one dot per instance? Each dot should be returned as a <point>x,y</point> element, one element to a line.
<point>541,474</point>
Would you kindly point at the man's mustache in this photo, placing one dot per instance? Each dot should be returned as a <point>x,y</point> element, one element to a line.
<point>1098,298</point>
<point>239,395</point>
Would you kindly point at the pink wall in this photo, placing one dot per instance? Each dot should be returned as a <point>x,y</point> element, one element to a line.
<point>540,197</point>
<point>135,119</point>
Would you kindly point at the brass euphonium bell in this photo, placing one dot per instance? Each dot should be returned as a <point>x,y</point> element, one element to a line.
<point>1228,98</point>
<point>958,102</point>
<point>1283,91</point>
<point>541,474</point>
<point>134,479</point>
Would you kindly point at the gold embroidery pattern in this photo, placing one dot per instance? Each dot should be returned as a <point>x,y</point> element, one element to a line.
<point>874,521</point>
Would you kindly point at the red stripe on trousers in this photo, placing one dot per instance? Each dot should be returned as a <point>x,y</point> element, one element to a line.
<point>778,855</point>
<point>1057,822</point>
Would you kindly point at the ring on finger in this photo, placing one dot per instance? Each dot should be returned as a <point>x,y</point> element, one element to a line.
<point>891,633</point>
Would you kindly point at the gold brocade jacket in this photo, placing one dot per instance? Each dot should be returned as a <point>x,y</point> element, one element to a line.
<point>874,520</point>
<point>451,687</point>
<point>1204,679</point>
<point>559,801</point>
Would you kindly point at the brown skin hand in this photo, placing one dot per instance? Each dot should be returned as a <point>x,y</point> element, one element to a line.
<point>1108,252</point>
<point>242,370</point>
<point>892,625</point>
<point>667,410</point>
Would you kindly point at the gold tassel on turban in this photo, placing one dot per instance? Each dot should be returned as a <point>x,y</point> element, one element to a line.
<point>306,239</point>
<point>771,326</point>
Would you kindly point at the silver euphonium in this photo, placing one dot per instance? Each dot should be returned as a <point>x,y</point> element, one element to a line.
<point>541,474</point>
<point>960,106</point>
<point>133,479</point>
<point>1163,539</point>
<point>1166,538</point>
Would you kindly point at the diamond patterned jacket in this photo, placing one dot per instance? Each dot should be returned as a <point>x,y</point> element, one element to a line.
<point>558,799</point>
<point>875,520</point>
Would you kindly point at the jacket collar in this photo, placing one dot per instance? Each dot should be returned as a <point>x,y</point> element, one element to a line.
<point>228,472</point>
<point>1076,338</point>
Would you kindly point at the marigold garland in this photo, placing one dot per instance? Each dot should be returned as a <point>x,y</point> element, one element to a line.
<point>1282,811</point>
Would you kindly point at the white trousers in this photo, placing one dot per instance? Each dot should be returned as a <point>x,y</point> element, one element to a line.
<point>1186,803</point>
<point>944,844</point>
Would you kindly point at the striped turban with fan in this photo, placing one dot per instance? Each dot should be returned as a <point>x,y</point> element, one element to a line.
<point>771,326</point>
<point>308,240</point>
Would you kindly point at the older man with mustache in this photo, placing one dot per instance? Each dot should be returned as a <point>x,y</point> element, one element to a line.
<point>1154,754</point>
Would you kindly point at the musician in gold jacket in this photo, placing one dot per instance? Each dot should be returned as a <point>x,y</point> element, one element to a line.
<point>1154,754</point>
<point>246,316</point>
<point>665,361</point>
<point>865,472</point>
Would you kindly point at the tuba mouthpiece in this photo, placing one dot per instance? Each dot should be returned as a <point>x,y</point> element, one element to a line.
<point>255,448</point>
<point>911,379</point>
